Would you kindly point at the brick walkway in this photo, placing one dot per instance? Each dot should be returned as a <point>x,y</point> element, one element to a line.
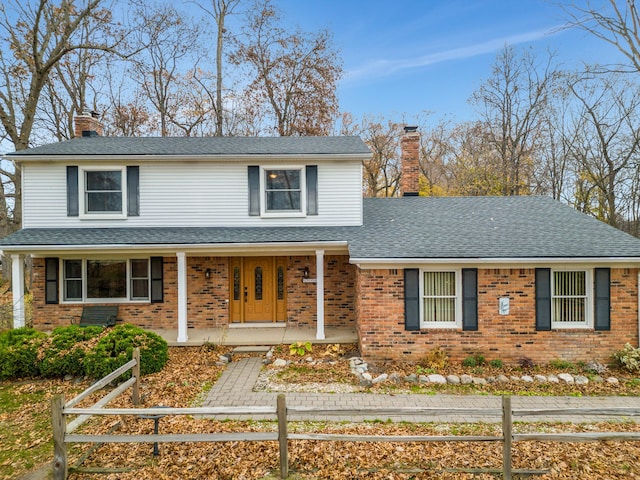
<point>235,389</point>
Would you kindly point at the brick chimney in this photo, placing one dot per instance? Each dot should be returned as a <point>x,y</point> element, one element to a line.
<point>410,158</point>
<point>88,125</point>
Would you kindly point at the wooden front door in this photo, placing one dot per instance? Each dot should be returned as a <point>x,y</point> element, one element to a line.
<point>257,289</point>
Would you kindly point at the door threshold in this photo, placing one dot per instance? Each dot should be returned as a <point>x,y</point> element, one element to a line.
<point>259,325</point>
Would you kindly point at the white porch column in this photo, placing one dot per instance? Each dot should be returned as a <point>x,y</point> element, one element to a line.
<point>17,286</point>
<point>320,294</point>
<point>182,297</point>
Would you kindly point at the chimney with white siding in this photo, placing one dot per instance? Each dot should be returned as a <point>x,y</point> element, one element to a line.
<point>410,162</point>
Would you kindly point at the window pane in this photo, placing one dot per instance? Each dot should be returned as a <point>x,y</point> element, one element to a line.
<point>258,285</point>
<point>73,290</point>
<point>140,268</point>
<point>280,283</point>
<point>104,180</point>
<point>439,283</point>
<point>288,200</point>
<point>106,279</point>
<point>73,269</point>
<point>139,288</point>
<point>440,309</point>
<point>236,283</point>
<point>283,179</point>
<point>104,202</point>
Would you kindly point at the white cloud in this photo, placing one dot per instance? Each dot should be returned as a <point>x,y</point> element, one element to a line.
<point>386,67</point>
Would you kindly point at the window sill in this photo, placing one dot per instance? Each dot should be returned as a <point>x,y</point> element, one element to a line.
<point>107,216</point>
<point>282,215</point>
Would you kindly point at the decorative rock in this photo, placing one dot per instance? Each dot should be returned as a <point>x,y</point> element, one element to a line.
<point>309,359</point>
<point>612,381</point>
<point>581,380</point>
<point>513,378</point>
<point>527,378</point>
<point>367,376</point>
<point>453,379</point>
<point>360,368</point>
<point>553,379</point>
<point>395,377</point>
<point>423,379</point>
<point>365,383</point>
<point>437,378</point>
<point>269,354</point>
<point>502,378</point>
<point>411,378</point>
<point>224,359</point>
<point>566,377</point>
<point>380,378</point>
<point>466,379</point>
<point>597,379</point>
<point>479,381</point>
<point>279,362</point>
<point>491,379</point>
<point>540,378</point>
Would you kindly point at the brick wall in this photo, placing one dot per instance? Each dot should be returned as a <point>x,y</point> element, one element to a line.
<point>207,299</point>
<point>380,311</point>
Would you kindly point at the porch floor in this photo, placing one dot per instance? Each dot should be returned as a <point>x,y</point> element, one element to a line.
<point>257,336</point>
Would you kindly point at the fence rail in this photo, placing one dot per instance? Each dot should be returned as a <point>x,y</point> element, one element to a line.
<point>63,431</point>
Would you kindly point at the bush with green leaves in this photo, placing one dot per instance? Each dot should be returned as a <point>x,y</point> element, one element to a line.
<point>628,358</point>
<point>19,352</point>
<point>116,348</point>
<point>64,351</point>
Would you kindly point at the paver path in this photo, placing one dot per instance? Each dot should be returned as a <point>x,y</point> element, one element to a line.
<point>234,388</point>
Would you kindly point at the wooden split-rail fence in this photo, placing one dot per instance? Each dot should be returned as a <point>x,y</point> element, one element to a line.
<point>64,432</point>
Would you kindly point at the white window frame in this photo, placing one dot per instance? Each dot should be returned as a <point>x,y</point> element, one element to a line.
<point>458,300</point>
<point>588,313</point>
<point>82,194</point>
<point>129,289</point>
<point>263,192</point>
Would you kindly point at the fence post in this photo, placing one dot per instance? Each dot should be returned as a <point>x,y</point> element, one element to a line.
<point>282,436</point>
<point>135,371</point>
<point>60,460</point>
<point>507,425</point>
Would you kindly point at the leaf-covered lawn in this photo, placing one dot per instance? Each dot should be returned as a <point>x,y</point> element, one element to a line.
<point>26,440</point>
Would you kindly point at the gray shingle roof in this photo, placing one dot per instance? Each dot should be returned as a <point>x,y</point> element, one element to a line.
<point>395,228</point>
<point>186,146</point>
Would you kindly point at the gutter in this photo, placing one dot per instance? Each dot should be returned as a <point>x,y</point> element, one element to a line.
<point>177,157</point>
<point>417,262</point>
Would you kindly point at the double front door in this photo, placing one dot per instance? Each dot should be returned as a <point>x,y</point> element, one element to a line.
<point>258,289</point>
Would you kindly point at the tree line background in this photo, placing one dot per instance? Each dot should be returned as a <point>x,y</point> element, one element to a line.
<point>231,68</point>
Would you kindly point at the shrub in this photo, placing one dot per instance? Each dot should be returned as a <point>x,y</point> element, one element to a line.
<point>474,361</point>
<point>562,364</point>
<point>436,359</point>
<point>526,362</point>
<point>64,351</point>
<point>300,348</point>
<point>116,348</point>
<point>19,352</point>
<point>496,363</point>
<point>628,358</point>
<point>596,367</point>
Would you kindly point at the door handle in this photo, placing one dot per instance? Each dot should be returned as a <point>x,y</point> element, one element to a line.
<point>246,294</point>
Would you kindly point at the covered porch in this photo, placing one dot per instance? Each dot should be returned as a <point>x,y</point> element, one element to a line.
<point>258,335</point>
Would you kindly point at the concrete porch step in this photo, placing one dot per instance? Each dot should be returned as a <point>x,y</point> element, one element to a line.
<point>251,349</point>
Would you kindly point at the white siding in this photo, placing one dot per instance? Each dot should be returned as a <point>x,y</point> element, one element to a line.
<point>193,194</point>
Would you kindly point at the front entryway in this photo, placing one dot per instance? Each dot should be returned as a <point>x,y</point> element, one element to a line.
<point>258,289</point>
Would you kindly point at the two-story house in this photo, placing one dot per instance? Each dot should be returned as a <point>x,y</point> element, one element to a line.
<point>199,233</point>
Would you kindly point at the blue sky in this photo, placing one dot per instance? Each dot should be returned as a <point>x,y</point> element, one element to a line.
<point>402,57</point>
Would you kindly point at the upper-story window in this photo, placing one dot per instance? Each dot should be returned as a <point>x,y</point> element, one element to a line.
<point>284,192</point>
<point>103,192</point>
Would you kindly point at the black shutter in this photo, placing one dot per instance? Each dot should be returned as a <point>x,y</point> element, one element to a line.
<point>51,274</point>
<point>254,190</point>
<point>543,299</point>
<point>157,280</point>
<point>411,299</point>
<point>312,189</point>
<point>133,191</point>
<point>72,192</point>
<point>470,299</point>
<point>602,299</point>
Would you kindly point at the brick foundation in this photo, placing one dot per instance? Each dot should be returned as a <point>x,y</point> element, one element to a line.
<point>380,313</point>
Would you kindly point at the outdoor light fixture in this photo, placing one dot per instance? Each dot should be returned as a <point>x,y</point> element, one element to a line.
<point>305,273</point>
<point>207,273</point>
